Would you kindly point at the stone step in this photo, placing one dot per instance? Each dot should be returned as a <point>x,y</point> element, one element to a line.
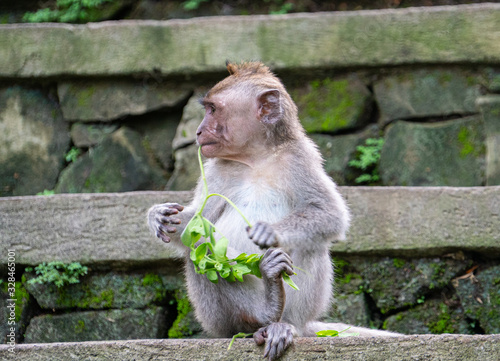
<point>111,228</point>
<point>427,35</point>
<point>417,347</point>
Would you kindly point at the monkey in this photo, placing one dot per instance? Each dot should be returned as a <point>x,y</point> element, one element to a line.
<point>259,156</point>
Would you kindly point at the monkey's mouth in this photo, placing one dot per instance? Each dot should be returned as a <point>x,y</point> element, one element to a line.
<point>207,143</point>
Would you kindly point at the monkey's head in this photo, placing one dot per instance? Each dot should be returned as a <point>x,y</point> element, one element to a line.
<point>247,114</point>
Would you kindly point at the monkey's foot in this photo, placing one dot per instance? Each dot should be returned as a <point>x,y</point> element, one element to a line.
<point>277,336</point>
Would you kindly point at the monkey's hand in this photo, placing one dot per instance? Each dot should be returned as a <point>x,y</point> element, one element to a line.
<point>277,336</point>
<point>274,262</point>
<point>161,221</point>
<point>263,235</point>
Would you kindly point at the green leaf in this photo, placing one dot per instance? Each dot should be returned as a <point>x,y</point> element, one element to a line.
<point>327,333</point>
<point>200,252</point>
<point>220,249</point>
<point>193,231</point>
<point>212,276</point>
<point>289,281</point>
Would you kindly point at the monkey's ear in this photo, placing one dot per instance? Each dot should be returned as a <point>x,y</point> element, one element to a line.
<point>270,110</point>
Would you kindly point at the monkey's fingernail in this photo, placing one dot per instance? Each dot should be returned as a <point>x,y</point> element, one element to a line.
<point>166,239</point>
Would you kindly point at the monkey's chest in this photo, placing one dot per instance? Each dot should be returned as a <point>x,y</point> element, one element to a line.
<point>256,204</point>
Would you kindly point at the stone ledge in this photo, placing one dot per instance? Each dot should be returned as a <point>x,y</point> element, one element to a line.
<point>447,35</point>
<point>421,347</point>
<point>111,228</point>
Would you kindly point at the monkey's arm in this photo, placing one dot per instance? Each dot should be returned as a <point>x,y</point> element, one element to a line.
<point>320,215</point>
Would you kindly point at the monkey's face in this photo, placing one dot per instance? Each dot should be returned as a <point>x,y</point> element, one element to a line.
<point>230,129</point>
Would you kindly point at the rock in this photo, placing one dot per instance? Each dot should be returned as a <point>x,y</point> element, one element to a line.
<point>433,316</point>
<point>338,150</point>
<point>185,325</point>
<point>187,169</point>
<point>158,130</point>
<point>426,93</point>
<point>15,312</point>
<point>351,309</point>
<point>33,141</point>
<point>192,115</point>
<point>119,164</point>
<point>329,40</point>
<point>399,283</point>
<point>450,153</point>
<point>480,298</point>
<point>89,135</point>
<point>490,110</point>
<point>123,324</point>
<point>493,79</point>
<point>104,100</point>
<point>101,291</point>
<point>97,230</point>
<point>331,105</point>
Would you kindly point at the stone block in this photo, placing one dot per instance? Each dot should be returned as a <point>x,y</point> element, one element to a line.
<point>480,298</point>
<point>338,150</point>
<point>192,115</point>
<point>120,163</point>
<point>126,324</point>
<point>398,283</point>
<point>187,169</point>
<point>450,153</point>
<point>434,316</point>
<point>33,140</point>
<point>426,93</point>
<point>330,105</point>
<point>105,100</point>
<point>490,110</point>
<point>335,40</point>
<point>89,135</point>
<point>101,291</point>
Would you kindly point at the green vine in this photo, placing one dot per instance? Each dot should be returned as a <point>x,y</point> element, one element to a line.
<point>210,257</point>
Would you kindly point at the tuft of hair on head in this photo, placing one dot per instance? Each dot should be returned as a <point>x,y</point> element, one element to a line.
<point>248,68</point>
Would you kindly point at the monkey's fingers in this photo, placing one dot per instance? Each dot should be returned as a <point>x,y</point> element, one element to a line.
<point>260,336</point>
<point>280,337</point>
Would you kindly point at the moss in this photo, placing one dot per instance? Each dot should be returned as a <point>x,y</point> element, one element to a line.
<point>179,328</point>
<point>398,262</point>
<point>153,280</point>
<point>22,298</point>
<point>80,326</point>
<point>444,322</point>
<point>464,139</point>
<point>84,96</point>
<point>330,105</point>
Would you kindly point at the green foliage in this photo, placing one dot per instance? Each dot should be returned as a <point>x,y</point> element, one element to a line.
<point>67,11</point>
<point>209,258</point>
<point>367,160</point>
<point>283,8</point>
<point>72,154</point>
<point>179,329</point>
<point>46,192</point>
<point>398,263</point>
<point>58,273</point>
<point>192,4</point>
<point>333,333</point>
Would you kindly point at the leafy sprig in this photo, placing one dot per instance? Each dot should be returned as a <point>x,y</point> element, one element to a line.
<point>210,257</point>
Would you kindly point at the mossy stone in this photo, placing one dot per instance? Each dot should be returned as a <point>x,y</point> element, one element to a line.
<point>330,105</point>
<point>450,153</point>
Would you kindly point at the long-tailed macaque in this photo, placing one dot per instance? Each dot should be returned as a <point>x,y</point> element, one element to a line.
<point>259,156</point>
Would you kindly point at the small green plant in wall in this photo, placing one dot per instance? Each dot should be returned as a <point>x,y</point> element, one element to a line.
<point>367,158</point>
<point>58,273</point>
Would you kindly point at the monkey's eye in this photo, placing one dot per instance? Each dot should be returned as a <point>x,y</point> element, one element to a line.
<point>211,109</point>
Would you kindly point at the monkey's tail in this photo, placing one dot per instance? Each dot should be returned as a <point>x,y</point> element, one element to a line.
<point>315,326</point>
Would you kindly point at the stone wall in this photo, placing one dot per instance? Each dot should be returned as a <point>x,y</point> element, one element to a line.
<point>417,260</point>
<point>111,107</point>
